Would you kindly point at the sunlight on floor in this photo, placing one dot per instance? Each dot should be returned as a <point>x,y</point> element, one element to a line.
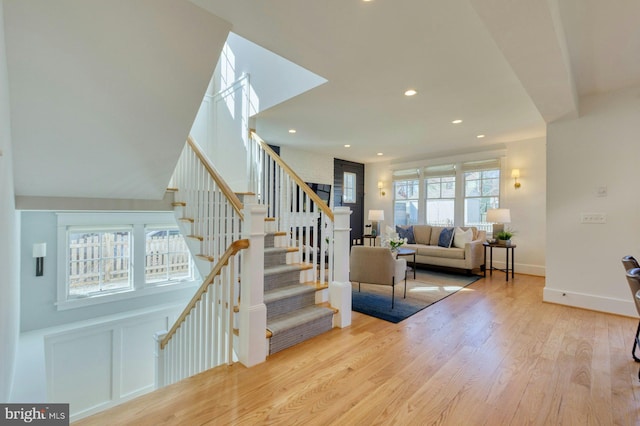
<point>427,289</point>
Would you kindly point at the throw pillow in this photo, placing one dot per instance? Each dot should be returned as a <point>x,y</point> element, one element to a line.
<point>406,233</point>
<point>460,237</point>
<point>446,237</point>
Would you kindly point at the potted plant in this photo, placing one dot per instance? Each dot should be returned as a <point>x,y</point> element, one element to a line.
<point>504,237</point>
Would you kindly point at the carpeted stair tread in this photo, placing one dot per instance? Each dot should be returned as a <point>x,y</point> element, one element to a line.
<point>281,269</point>
<point>298,326</point>
<point>288,291</point>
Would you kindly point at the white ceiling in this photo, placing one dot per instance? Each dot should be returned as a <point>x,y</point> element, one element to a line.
<point>503,67</point>
<point>103,93</point>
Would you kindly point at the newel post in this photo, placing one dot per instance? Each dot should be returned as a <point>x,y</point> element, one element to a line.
<point>253,312</point>
<point>160,377</point>
<point>340,287</point>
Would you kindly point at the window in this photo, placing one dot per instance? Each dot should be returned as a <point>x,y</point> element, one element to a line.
<point>440,197</point>
<point>167,257</point>
<point>481,192</point>
<point>349,188</point>
<point>103,257</point>
<point>406,194</point>
<point>99,261</point>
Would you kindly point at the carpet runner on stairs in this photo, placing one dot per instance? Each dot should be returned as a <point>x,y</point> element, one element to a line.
<point>292,315</point>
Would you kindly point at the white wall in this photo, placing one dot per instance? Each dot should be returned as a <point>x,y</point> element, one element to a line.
<point>39,294</point>
<point>9,240</point>
<point>310,166</point>
<point>600,148</point>
<point>527,203</point>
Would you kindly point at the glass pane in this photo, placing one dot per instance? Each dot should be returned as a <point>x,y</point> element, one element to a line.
<point>400,190</point>
<point>472,188</point>
<point>491,174</point>
<point>440,212</point>
<point>349,188</point>
<point>433,188</point>
<point>98,261</point>
<point>471,175</point>
<point>448,188</point>
<point>475,211</point>
<point>413,189</point>
<point>491,187</point>
<point>167,256</point>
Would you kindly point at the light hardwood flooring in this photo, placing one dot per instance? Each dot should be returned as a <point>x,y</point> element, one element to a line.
<point>491,354</point>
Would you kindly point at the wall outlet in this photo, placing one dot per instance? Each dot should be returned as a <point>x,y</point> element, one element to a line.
<point>593,218</point>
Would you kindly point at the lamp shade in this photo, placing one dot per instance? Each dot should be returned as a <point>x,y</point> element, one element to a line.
<point>40,250</point>
<point>499,216</point>
<point>376,215</point>
<point>515,173</point>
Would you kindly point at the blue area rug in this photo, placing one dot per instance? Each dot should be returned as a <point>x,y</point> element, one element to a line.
<point>428,288</point>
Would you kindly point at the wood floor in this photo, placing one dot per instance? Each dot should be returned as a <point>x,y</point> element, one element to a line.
<point>491,354</point>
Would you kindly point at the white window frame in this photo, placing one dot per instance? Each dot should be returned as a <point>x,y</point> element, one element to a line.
<point>491,159</point>
<point>106,221</point>
<point>481,167</point>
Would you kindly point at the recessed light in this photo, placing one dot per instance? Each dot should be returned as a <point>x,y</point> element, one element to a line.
<point>410,92</point>
<point>480,136</point>
<point>292,130</point>
<point>347,146</point>
<point>380,153</point>
<point>458,121</point>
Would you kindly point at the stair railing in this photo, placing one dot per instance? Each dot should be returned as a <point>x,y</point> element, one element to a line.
<point>202,337</point>
<point>297,209</point>
<point>209,204</point>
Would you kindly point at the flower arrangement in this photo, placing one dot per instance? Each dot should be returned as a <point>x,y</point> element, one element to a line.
<point>396,242</point>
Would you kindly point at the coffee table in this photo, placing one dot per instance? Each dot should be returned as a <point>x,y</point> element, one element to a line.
<point>409,252</point>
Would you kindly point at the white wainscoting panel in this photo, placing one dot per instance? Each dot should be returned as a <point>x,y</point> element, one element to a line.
<point>137,349</point>
<point>99,364</point>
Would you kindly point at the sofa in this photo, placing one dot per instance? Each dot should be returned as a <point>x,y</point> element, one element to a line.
<point>458,247</point>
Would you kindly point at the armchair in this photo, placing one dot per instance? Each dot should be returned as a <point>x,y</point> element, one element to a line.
<point>377,265</point>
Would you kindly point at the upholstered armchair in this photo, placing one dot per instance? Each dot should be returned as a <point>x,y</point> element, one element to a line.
<point>377,265</point>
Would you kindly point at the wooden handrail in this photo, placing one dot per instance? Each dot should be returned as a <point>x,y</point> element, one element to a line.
<point>231,196</point>
<point>316,199</point>
<point>233,249</point>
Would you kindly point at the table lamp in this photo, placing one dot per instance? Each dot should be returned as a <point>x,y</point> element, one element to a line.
<point>498,217</point>
<point>376,216</point>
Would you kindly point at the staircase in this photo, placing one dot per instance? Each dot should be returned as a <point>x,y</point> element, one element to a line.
<point>264,271</point>
<point>292,313</point>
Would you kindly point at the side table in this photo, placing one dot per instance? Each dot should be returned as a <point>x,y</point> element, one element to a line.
<point>409,252</point>
<point>491,246</point>
<point>370,238</point>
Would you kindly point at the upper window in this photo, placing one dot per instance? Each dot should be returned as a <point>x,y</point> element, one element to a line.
<point>110,256</point>
<point>349,188</point>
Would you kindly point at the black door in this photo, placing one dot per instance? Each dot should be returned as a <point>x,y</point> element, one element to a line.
<point>354,174</point>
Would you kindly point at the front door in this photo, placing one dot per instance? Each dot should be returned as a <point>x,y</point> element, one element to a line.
<point>348,189</point>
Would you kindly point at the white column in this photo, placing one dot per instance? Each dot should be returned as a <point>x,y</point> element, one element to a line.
<point>340,287</point>
<point>253,312</point>
<point>160,379</point>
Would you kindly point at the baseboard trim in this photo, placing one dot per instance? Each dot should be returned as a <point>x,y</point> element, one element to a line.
<point>524,268</point>
<point>591,302</point>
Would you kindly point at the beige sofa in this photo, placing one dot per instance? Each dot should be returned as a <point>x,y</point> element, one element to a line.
<point>469,258</point>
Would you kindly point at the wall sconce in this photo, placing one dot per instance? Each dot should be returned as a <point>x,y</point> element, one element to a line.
<point>380,186</point>
<point>39,252</point>
<point>515,174</point>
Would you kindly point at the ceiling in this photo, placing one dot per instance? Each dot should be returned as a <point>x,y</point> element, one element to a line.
<point>505,68</point>
<point>103,113</point>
